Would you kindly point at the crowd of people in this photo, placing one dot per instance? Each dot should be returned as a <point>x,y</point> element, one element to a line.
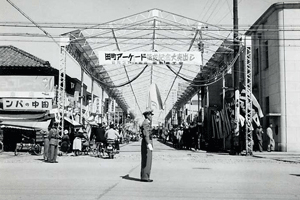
<point>80,141</point>
<point>184,136</point>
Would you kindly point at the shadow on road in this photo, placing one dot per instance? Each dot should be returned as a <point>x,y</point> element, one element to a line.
<point>127,177</point>
<point>295,175</point>
<point>40,159</point>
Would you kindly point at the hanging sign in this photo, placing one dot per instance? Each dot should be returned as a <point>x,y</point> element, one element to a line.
<point>97,105</point>
<point>157,58</point>
<point>27,86</point>
<point>27,104</point>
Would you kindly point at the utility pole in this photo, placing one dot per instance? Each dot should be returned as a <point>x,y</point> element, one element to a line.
<point>236,77</point>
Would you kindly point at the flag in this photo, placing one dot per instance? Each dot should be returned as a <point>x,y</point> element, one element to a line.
<point>254,102</point>
<point>154,100</point>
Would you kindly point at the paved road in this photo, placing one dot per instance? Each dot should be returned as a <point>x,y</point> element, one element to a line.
<point>177,175</point>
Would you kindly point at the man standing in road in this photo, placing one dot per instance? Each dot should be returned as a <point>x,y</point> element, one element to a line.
<point>146,147</point>
<point>271,142</point>
<point>54,136</point>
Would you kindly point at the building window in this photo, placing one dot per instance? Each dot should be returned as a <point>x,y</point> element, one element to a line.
<point>256,60</point>
<point>266,44</point>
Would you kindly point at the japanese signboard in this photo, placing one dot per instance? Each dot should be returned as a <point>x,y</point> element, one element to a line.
<point>112,106</point>
<point>157,58</point>
<point>97,105</point>
<point>27,86</point>
<point>27,104</point>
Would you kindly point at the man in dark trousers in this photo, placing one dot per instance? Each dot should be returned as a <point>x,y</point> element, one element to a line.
<point>46,145</point>
<point>53,143</point>
<point>259,140</point>
<point>146,147</point>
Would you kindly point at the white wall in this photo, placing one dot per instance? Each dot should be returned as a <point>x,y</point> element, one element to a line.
<point>292,73</point>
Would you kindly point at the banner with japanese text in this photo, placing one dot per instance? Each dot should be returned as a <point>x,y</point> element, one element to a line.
<point>156,58</point>
<point>97,105</point>
<point>27,104</point>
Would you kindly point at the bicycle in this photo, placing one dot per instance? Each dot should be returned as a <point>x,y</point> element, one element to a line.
<point>29,145</point>
<point>99,149</point>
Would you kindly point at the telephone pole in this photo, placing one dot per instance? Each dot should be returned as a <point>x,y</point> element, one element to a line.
<point>236,72</point>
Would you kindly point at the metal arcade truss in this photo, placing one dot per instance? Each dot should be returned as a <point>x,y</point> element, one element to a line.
<point>150,31</point>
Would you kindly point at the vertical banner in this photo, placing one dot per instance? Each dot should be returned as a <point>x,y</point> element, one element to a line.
<point>236,112</point>
<point>154,98</point>
<point>97,106</point>
<point>113,106</point>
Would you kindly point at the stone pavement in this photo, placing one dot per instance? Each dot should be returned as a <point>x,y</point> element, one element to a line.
<point>177,174</point>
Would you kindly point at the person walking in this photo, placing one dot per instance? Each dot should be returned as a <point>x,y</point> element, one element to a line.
<point>146,147</point>
<point>259,141</point>
<point>54,136</point>
<point>271,142</point>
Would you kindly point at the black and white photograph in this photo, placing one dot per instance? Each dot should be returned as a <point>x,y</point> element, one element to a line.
<point>149,100</point>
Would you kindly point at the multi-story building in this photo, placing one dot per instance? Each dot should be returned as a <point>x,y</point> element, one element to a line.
<point>276,73</point>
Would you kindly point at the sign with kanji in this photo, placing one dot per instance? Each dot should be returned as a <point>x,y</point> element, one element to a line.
<point>27,86</point>
<point>97,105</point>
<point>27,104</point>
<point>112,106</point>
<point>156,58</point>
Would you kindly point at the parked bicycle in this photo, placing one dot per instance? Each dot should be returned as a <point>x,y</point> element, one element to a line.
<point>29,145</point>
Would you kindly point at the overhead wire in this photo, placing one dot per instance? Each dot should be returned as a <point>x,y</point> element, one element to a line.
<point>208,10</point>
<point>49,35</point>
<point>216,10</point>
<point>213,10</point>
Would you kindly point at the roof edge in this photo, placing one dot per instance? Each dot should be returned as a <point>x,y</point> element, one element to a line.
<point>24,53</point>
<point>269,11</point>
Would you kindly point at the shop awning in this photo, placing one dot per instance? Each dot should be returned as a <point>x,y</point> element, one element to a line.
<point>25,116</point>
<point>33,125</point>
<point>73,122</point>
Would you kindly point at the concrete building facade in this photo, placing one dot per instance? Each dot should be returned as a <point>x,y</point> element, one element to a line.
<point>276,72</point>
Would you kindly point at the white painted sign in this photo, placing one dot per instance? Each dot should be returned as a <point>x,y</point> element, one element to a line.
<point>27,86</point>
<point>156,58</point>
<point>27,104</point>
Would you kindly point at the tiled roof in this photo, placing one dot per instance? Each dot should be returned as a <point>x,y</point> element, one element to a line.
<point>11,56</point>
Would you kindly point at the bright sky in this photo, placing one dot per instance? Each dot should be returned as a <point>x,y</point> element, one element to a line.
<point>217,12</point>
<point>94,11</point>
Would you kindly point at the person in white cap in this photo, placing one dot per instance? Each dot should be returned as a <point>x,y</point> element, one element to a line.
<point>146,147</point>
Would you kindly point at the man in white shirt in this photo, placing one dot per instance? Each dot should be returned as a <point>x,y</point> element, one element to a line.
<point>112,134</point>
<point>271,142</point>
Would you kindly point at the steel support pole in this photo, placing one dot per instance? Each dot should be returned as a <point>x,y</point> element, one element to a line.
<point>102,104</point>
<point>248,88</point>
<point>223,102</point>
<point>62,84</point>
<point>92,96</point>
<point>81,96</point>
